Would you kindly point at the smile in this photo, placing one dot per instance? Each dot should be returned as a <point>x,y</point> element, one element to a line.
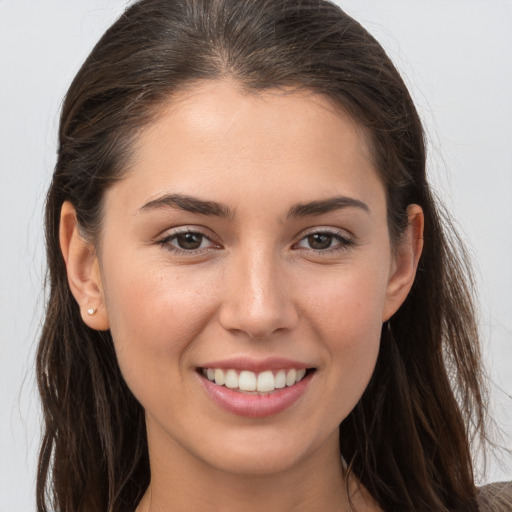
<point>247,381</point>
<point>255,394</point>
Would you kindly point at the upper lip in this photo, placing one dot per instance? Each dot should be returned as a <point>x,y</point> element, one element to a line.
<point>256,365</point>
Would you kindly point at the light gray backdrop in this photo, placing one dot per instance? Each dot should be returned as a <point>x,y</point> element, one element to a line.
<point>457,59</point>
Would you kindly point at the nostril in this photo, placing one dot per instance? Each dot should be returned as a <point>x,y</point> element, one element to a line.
<point>258,323</point>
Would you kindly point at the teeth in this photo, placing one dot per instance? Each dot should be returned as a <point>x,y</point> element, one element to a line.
<point>220,378</point>
<point>280,379</point>
<point>291,376</point>
<point>247,381</point>
<point>231,380</point>
<point>263,382</point>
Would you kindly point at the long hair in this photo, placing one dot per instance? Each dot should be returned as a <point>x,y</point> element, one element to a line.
<point>408,440</point>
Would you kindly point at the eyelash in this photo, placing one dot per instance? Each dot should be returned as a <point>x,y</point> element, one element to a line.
<point>344,242</point>
<point>166,243</point>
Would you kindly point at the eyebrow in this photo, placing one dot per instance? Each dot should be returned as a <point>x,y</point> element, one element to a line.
<point>188,204</point>
<point>200,206</point>
<point>325,206</point>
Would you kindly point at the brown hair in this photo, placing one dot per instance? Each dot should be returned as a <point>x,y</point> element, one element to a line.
<point>408,439</point>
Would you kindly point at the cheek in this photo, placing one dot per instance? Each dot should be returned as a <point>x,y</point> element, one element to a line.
<point>346,306</point>
<point>347,316</point>
<point>154,316</point>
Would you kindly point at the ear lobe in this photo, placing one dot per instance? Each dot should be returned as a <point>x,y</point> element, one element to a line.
<point>83,270</point>
<point>406,259</point>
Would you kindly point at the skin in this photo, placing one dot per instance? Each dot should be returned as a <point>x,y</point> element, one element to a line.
<point>256,288</point>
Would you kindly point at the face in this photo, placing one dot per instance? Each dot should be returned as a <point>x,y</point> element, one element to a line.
<point>247,244</point>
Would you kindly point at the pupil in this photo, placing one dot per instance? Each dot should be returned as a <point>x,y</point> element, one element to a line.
<point>189,240</point>
<point>320,241</point>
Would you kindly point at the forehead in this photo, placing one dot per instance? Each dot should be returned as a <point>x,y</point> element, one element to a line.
<point>220,110</point>
<point>214,137</point>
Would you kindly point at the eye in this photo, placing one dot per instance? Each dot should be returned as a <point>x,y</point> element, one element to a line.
<point>187,241</point>
<point>324,241</point>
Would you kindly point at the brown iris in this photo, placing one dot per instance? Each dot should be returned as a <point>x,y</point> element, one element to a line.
<point>189,241</point>
<point>320,241</point>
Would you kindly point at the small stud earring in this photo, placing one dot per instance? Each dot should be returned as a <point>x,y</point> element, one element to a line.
<point>91,311</point>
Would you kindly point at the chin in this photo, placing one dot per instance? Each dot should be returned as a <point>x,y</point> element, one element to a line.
<point>252,463</point>
<point>265,451</point>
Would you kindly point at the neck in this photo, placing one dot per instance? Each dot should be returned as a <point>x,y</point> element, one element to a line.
<point>316,483</point>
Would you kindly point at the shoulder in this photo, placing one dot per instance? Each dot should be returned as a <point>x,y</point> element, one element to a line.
<point>496,497</point>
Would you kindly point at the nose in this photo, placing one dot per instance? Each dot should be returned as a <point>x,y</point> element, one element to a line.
<point>257,299</point>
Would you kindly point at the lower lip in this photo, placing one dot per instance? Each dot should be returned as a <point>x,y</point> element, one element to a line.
<point>255,406</point>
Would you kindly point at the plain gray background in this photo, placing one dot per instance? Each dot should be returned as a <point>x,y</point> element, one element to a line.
<point>456,56</point>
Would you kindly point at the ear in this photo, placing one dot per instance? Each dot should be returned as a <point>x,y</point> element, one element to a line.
<point>405,262</point>
<point>83,270</point>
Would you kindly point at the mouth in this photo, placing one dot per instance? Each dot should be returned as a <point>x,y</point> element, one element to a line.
<point>255,383</point>
<point>256,388</point>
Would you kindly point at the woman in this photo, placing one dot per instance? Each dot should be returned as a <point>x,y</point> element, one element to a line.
<point>253,302</point>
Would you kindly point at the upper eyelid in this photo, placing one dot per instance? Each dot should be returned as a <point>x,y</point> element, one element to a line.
<point>165,242</point>
<point>345,240</point>
<point>179,230</point>
<point>203,231</point>
<point>344,233</point>
<point>167,236</point>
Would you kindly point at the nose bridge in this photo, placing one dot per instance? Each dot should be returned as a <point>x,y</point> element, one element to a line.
<point>257,299</point>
